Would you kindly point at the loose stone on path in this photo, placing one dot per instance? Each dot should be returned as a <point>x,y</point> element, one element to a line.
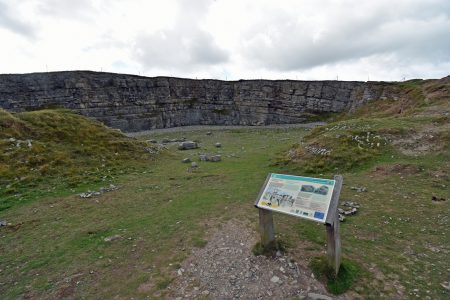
<point>226,268</point>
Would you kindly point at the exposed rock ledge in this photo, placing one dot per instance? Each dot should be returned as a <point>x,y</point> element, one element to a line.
<point>135,103</point>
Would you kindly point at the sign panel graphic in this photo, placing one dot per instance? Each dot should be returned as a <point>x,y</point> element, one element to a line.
<point>298,196</point>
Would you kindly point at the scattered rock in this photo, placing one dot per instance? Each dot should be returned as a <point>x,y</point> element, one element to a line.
<point>314,296</point>
<point>218,145</point>
<point>187,145</point>
<point>446,285</point>
<point>317,150</point>
<point>111,187</point>
<point>275,279</point>
<point>437,199</point>
<point>226,268</point>
<point>112,238</point>
<point>186,160</point>
<point>215,158</point>
<point>349,208</point>
<point>209,133</point>
<point>89,194</point>
<point>194,164</point>
<point>102,190</point>
<point>152,150</point>
<point>3,223</point>
<point>152,141</point>
<point>361,189</point>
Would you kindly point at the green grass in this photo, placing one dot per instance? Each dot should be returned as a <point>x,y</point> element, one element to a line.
<point>348,274</point>
<point>165,210</point>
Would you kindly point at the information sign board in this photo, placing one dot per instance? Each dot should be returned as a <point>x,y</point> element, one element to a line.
<point>298,196</point>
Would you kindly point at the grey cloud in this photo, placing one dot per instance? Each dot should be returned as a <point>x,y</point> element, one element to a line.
<point>178,49</point>
<point>183,47</point>
<point>71,9</point>
<point>10,22</point>
<point>410,34</point>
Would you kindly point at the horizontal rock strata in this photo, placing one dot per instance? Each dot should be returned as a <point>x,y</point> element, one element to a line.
<point>135,103</point>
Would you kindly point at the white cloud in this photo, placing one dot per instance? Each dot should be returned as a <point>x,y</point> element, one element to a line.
<point>229,39</point>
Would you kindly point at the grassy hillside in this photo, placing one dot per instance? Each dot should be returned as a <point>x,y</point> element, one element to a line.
<point>415,124</point>
<point>400,151</point>
<point>43,151</point>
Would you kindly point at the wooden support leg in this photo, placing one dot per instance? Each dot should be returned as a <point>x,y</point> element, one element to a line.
<point>266,229</point>
<point>332,226</point>
<point>334,246</point>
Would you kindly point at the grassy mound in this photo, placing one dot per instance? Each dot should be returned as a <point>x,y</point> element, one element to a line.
<point>43,149</point>
<point>415,124</point>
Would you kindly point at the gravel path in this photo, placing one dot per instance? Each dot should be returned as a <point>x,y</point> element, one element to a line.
<point>227,269</point>
<point>218,127</point>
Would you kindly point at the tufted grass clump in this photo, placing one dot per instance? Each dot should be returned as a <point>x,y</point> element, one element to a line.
<point>348,274</point>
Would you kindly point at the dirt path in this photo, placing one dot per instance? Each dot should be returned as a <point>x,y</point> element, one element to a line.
<point>218,127</point>
<point>227,269</point>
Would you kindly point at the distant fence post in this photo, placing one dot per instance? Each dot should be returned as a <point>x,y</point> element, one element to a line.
<point>333,228</point>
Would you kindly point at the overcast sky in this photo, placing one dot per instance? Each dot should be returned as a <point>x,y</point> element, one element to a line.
<point>229,39</point>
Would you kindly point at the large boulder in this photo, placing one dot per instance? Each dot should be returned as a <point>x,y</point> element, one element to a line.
<point>187,145</point>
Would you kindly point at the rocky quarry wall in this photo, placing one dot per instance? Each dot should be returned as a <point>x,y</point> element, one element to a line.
<point>134,103</point>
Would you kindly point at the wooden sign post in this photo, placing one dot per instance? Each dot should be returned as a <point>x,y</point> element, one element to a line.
<point>310,198</point>
<point>333,228</point>
<point>266,229</point>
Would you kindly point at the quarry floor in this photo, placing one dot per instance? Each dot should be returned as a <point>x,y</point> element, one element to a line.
<point>172,231</point>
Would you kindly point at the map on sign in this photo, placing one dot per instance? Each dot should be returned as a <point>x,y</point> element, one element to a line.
<point>303,197</point>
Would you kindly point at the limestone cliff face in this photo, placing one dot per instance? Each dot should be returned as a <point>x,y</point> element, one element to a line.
<point>134,103</point>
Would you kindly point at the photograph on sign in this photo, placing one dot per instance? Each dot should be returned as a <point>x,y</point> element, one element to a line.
<point>299,196</point>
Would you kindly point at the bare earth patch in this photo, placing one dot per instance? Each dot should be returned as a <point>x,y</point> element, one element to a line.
<point>395,169</point>
<point>425,141</point>
<point>227,269</point>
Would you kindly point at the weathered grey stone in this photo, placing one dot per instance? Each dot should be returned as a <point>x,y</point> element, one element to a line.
<point>203,157</point>
<point>186,160</point>
<point>215,158</point>
<point>275,279</point>
<point>187,145</point>
<point>218,145</point>
<point>314,296</point>
<point>135,103</point>
<point>112,238</point>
